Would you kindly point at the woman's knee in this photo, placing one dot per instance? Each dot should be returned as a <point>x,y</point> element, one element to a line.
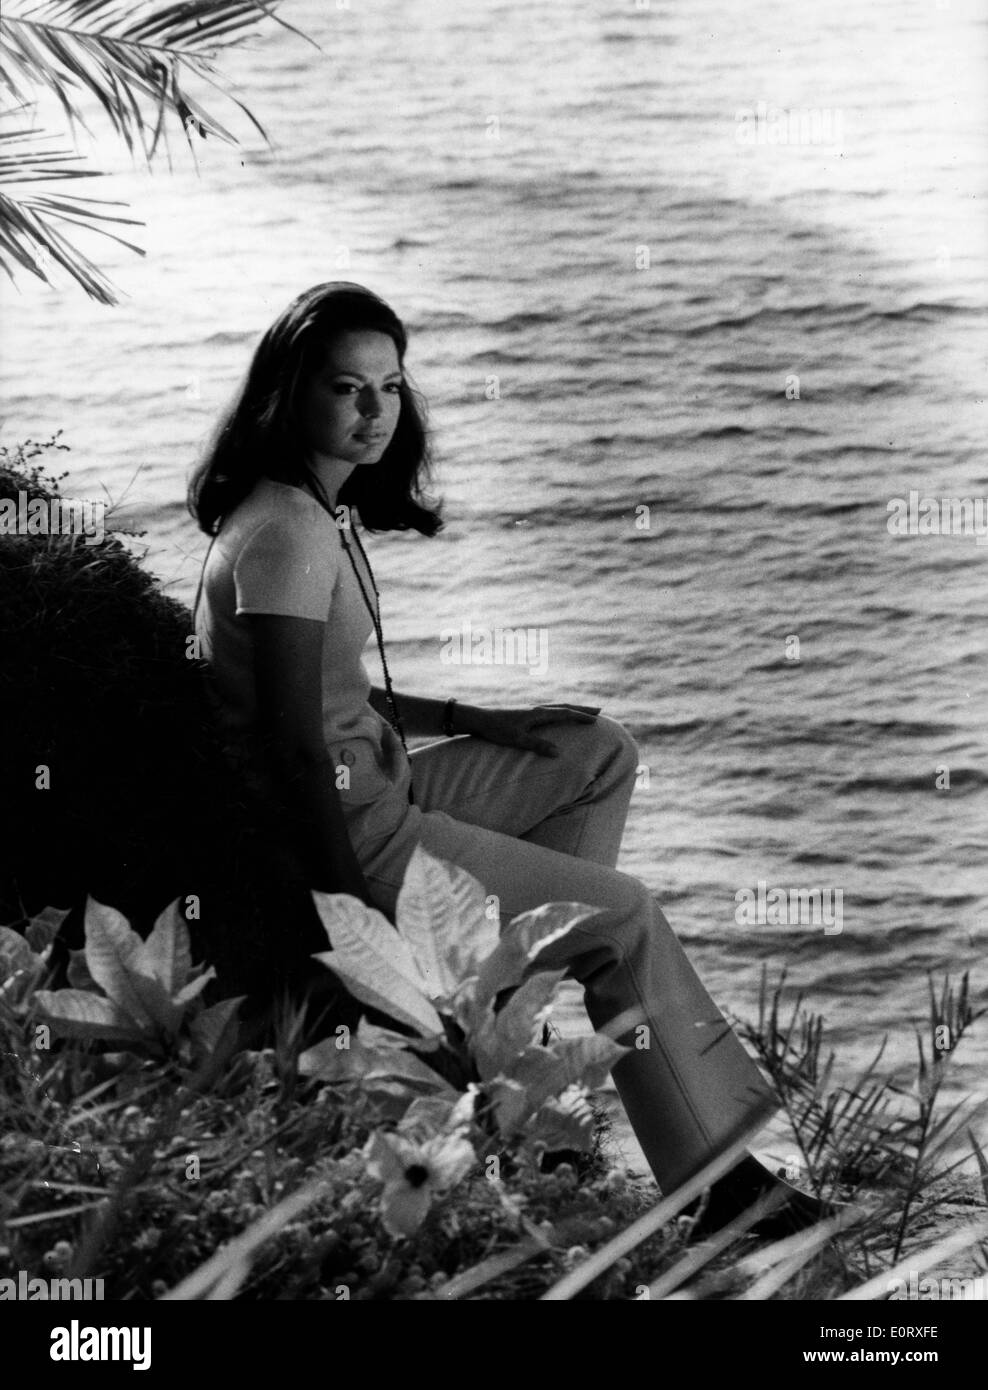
<point>620,747</point>
<point>628,905</point>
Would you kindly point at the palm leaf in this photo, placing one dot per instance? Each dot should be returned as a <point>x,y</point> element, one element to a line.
<point>982,1162</point>
<point>33,225</point>
<point>919,1261</point>
<point>30,241</point>
<point>24,158</point>
<point>131,59</point>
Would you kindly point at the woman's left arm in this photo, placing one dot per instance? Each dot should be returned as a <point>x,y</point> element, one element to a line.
<point>518,728</point>
<point>422,717</point>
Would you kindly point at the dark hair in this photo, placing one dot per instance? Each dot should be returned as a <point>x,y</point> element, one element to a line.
<point>259,434</point>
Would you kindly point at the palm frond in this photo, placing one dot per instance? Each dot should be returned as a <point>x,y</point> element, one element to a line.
<point>33,225</point>
<point>25,157</point>
<point>132,59</point>
<point>918,1261</point>
<point>982,1163</point>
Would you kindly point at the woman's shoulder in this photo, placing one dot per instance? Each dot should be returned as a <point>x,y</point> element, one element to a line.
<point>280,553</point>
<point>272,505</point>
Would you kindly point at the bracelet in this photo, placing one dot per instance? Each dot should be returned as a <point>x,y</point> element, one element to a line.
<point>448,718</point>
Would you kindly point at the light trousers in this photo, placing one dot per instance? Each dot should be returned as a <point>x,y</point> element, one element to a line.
<point>535,829</point>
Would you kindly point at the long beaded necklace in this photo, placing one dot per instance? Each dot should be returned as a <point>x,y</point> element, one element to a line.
<point>374,609</point>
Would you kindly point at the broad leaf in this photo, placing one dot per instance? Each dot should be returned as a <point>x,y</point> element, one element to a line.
<point>166,955</point>
<point>15,954</point>
<point>547,1071</point>
<point>441,915</point>
<point>208,1028</point>
<point>41,931</point>
<point>166,1013</point>
<point>406,1067</point>
<point>78,973</point>
<point>374,962</point>
<point>505,1034</point>
<point>195,987</point>
<point>522,942</point>
<point>76,1014</point>
<point>373,981</point>
<point>542,1072</point>
<point>111,950</point>
<point>462,1006</point>
<point>511,1105</point>
<point>388,1097</point>
<point>121,965</point>
<point>327,1062</point>
<point>363,933</point>
<point>566,1123</point>
<point>428,1115</point>
<point>380,1039</point>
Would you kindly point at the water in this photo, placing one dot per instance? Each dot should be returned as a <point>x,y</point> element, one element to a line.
<point>502,171</point>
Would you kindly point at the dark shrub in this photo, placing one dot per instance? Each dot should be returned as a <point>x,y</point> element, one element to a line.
<point>143,808</point>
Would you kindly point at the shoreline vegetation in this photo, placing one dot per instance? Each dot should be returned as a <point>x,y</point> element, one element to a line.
<point>144,72</point>
<point>196,1107</point>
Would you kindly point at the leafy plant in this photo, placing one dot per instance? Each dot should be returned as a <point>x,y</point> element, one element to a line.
<point>139,994</point>
<point>132,61</point>
<point>24,958</point>
<point>854,1134</point>
<point>290,1201</point>
<point>951,1015</point>
<point>473,1002</point>
<point>19,472</point>
<point>34,225</point>
<point>424,1158</point>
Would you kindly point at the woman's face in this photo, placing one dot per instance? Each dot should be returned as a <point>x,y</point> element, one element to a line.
<point>350,407</point>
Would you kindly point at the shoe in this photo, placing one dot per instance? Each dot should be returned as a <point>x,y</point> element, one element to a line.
<point>739,1189</point>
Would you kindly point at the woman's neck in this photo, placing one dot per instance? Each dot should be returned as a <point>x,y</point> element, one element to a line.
<point>331,473</point>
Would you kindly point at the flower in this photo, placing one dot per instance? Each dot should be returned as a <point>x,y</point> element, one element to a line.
<point>414,1173</point>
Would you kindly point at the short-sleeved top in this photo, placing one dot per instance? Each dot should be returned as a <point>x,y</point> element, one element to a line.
<point>280,552</point>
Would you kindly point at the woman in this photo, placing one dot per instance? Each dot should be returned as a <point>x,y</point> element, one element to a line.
<point>532,802</point>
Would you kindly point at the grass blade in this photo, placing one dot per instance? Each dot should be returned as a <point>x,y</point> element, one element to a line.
<point>228,1260</point>
<point>918,1261</point>
<point>652,1221</point>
